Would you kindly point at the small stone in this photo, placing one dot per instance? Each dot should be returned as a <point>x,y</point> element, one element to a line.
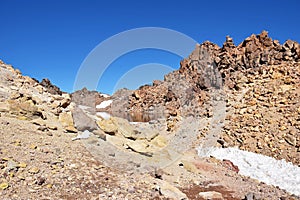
<point>32,146</point>
<point>52,127</point>
<point>250,196</point>
<point>42,128</point>
<point>40,180</point>
<point>211,195</point>
<point>12,165</point>
<point>22,165</point>
<point>49,134</point>
<point>17,143</point>
<point>34,170</point>
<point>3,186</point>
<point>21,178</point>
<point>290,140</point>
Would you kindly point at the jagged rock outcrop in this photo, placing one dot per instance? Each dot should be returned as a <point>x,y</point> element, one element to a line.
<point>52,89</point>
<point>210,67</point>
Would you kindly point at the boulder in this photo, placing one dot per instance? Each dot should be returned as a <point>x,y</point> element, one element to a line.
<point>83,121</point>
<point>66,119</point>
<point>108,126</point>
<point>25,108</point>
<point>171,192</point>
<point>138,146</point>
<point>124,127</point>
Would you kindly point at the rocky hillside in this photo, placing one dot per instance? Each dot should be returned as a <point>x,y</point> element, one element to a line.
<point>55,145</point>
<point>260,79</point>
<point>25,98</point>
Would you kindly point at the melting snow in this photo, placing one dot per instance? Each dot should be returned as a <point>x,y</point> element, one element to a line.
<point>104,104</point>
<point>263,168</point>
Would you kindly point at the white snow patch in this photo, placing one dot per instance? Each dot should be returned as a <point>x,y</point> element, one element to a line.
<point>263,168</point>
<point>134,123</point>
<point>104,95</point>
<point>103,115</point>
<point>104,104</point>
<point>86,134</point>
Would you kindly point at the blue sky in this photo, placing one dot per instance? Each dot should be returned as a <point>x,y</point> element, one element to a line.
<point>52,38</point>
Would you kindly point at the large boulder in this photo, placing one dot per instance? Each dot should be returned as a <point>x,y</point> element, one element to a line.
<point>108,126</point>
<point>24,107</point>
<point>66,119</point>
<point>83,121</point>
<point>116,125</point>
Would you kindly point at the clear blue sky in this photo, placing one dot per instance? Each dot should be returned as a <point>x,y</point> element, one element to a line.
<point>52,38</point>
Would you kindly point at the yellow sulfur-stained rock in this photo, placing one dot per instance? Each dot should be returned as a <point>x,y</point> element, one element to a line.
<point>108,126</point>
<point>22,165</point>
<point>4,185</point>
<point>66,119</point>
<point>34,170</point>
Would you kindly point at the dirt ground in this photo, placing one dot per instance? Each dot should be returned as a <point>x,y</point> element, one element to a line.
<point>49,165</point>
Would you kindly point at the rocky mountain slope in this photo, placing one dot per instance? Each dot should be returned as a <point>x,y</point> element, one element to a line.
<point>56,145</point>
<point>260,79</point>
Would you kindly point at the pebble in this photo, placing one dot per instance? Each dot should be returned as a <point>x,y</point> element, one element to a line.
<point>22,165</point>
<point>11,165</point>
<point>17,143</point>
<point>49,134</point>
<point>34,170</point>
<point>32,146</point>
<point>4,185</point>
